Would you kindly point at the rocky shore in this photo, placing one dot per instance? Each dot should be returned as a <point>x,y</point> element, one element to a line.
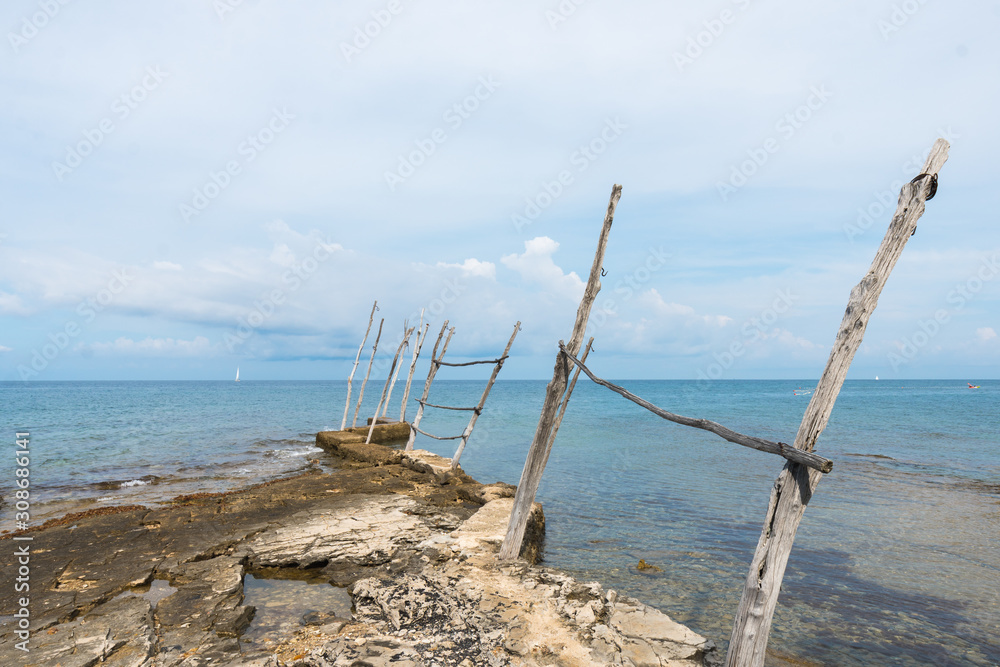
<point>413,543</point>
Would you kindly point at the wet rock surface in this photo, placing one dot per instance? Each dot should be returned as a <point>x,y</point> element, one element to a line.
<point>417,549</point>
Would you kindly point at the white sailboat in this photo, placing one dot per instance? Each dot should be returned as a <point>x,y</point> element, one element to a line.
<point>876,377</point>
<point>237,373</point>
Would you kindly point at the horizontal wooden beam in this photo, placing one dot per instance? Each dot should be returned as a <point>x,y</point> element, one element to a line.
<point>443,407</point>
<point>436,437</point>
<point>472,363</point>
<point>781,449</point>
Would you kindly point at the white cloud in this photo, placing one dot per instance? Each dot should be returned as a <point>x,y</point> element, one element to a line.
<point>472,267</point>
<point>167,266</point>
<point>986,333</point>
<point>151,347</point>
<point>535,265</point>
<point>10,304</point>
<point>4,348</point>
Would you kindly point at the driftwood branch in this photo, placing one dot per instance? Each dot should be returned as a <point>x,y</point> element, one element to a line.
<point>347,403</point>
<point>473,363</point>
<point>361,394</point>
<point>781,449</point>
<point>795,485</point>
<point>534,464</point>
<point>482,401</point>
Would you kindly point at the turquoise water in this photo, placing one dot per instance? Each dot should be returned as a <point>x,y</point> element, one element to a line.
<point>896,561</point>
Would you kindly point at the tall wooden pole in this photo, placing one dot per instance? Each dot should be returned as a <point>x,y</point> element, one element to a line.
<point>395,372</point>
<point>534,464</point>
<point>421,337</point>
<point>388,380</point>
<point>482,401</point>
<point>796,483</point>
<point>347,403</point>
<point>361,394</point>
<point>430,378</point>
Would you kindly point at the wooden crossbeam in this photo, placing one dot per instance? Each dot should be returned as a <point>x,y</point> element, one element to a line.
<point>781,449</point>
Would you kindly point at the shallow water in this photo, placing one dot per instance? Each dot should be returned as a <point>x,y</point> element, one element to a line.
<point>896,561</point>
<point>281,604</point>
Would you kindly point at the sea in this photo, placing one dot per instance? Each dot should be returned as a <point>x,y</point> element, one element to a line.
<point>896,562</point>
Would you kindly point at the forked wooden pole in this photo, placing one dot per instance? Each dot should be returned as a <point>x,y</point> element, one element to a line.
<point>347,403</point>
<point>361,394</point>
<point>565,400</point>
<point>430,378</point>
<point>534,464</point>
<point>395,373</point>
<point>482,401</point>
<point>796,483</point>
<point>388,380</point>
<point>421,337</point>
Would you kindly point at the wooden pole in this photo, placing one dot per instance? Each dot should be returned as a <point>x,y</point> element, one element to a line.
<point>361,394</point>
<point>482,401</point>
<point>388,379</point>
<point>405,343</point>
<point>430,378</point>
<point>421,337</point>
<point>534,464</point>
<point>565,400</point>
<point>796,484</point>
<point>347,403</point>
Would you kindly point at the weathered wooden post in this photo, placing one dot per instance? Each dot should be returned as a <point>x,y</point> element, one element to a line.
<point>430,378</point>
<point>388,378</point>
<point>361,394</point>
<point>347,403</point>
<point>421,337</point>
<point>534,464</point>
<point>482,401</point>
<point>395,373</point>
<point>565,401</point>
<point>796,483</point>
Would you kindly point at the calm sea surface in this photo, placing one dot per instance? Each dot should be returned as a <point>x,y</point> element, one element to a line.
<point>897,561</point>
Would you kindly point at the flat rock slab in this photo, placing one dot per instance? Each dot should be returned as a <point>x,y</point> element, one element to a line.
<point>416,548</point>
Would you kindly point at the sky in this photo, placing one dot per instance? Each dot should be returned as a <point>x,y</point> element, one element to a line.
<point>191,187</point>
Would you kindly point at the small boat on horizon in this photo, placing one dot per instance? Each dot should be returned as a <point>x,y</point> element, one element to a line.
<point>237,373</point>
<point>972,386</point>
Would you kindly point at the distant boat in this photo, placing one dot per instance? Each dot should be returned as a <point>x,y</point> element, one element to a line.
<point>876,377</point>
<point>972,386</point>
<point>237,373</point>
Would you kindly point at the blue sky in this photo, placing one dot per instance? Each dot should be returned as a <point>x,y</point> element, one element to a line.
<point>171,171</point>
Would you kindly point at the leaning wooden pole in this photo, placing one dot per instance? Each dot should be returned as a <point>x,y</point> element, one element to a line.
<point>347,403</point>
<point>534,464</point>
<point>395,372</point>
<point>796,483</point>
<point>361,394</point>
<point>421,337</point>
<point>430,378</point>
<point>482,401</point>
<point>565,400</point>
<point>388,380</point>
